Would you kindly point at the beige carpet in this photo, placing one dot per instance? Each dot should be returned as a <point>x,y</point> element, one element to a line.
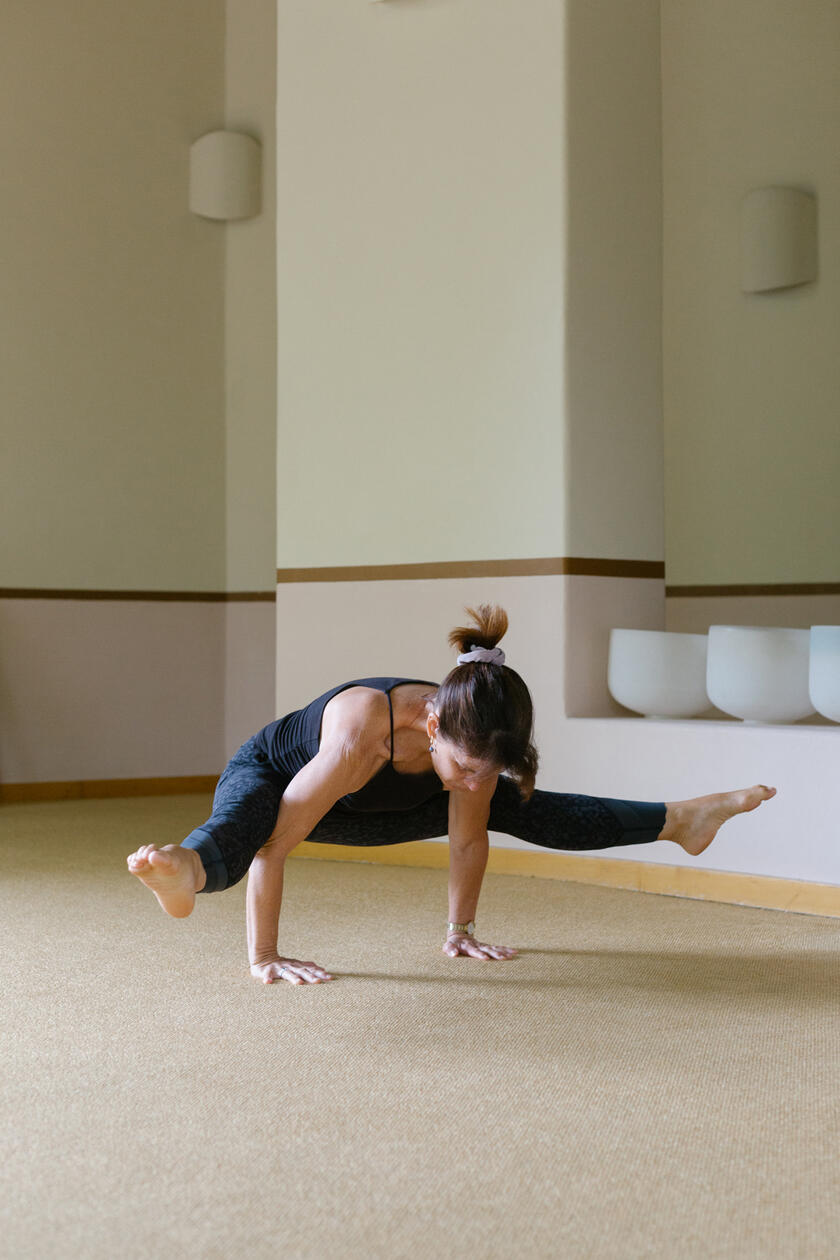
<point>651,1077</point>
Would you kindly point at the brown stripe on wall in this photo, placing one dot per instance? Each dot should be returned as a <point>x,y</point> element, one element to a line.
<point>779,588</point>
<point>180,597</point>
<point>102,789</point>
<point>538,567</point>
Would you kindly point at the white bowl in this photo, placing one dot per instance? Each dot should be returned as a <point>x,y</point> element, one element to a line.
<point>759,673</point>
<point>658,673</point>
<point>824,674</point>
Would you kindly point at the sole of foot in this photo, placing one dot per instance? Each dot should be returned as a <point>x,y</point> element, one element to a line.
<point>170,874</point>
<point>695,823</point>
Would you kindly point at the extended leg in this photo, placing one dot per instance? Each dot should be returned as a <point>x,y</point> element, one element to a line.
<point>557,820</point>
<point>562,820</point>
<point>552,819</point>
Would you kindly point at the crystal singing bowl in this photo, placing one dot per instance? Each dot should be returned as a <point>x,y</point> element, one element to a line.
<point>658,673</point>
<point>824,673</point>
<point>759,673</point>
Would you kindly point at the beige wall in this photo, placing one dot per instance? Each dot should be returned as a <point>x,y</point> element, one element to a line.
<point>613,360</point>
<point>250,309</point>
<point>751,98</point>
<point>250,381</point>
<point>138,340</point>
<point>421,263</point>
<point>469,228</point>
<point>130,332</point>
<point>110,689</point>
<point>111,324</point>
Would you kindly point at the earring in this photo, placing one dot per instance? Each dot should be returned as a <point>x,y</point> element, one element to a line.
<point>432,746</point>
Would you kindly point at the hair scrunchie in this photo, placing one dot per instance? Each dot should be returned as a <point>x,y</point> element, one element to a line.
<point>490,656</point>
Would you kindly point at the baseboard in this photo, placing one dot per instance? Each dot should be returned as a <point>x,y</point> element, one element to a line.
<point>93,789</point>
<point>763,892</point>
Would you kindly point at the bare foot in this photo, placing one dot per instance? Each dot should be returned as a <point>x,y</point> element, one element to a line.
<point>694,824</point>
<point>174,875</point>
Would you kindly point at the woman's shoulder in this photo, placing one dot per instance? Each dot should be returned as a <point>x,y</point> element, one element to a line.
<point>359,714</point>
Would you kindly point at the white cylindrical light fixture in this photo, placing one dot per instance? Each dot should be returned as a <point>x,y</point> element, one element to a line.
<point>225,176</point>
<point>778,239</point>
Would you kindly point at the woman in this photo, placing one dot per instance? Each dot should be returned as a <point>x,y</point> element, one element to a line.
<point>387,760</point>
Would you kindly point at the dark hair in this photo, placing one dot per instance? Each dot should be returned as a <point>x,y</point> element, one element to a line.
<point>486,708</point>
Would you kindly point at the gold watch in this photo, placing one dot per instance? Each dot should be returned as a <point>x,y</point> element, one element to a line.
<point>469,928</point>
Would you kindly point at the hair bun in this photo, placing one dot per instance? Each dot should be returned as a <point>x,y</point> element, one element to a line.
<point>489,624</point>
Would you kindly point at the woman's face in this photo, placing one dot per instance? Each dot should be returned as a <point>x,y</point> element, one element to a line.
<point>458,770</point>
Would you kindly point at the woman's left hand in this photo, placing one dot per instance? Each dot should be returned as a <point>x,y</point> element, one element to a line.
<point>459,943</point>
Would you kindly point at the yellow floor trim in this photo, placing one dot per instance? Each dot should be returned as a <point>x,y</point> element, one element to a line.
<point>764,892</point>
<point>103,789</point>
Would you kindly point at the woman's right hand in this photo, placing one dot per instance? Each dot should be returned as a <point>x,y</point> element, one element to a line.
<point>291,969</point>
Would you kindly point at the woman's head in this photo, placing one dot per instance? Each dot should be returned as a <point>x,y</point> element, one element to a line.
<point>484,709</point>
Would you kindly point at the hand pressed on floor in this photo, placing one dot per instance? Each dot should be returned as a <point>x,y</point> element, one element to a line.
<point>292,969</point>
<point>459,943</point>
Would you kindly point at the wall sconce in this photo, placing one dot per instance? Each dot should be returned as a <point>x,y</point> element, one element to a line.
<point>225,176</point>
<point>778,239</point>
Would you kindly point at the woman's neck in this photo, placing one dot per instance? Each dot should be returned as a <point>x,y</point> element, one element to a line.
<point>410,734</point>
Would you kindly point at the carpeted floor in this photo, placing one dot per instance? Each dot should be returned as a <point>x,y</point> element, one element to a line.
<point>652,1077</point>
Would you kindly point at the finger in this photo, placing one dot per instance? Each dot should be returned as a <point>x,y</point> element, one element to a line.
<point>280,971</point>
<point>477,951</point>
<point>309,969</point>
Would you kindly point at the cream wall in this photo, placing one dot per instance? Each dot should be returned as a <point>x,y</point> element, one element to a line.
<point>433,174</point>
<point>131,332</point>
<point>613,291</point>
<point>751,97</point>
<point>250,308</point>
<point>613,492</point>
<point>111,324</point>
<point>250,382</point>
<point>138,371</point>
<point>110,689</point>
<point>469,231</point>
<point>421,265</point>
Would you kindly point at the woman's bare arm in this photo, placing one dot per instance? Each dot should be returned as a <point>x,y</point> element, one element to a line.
<point>348,757</point>
<point>469,847</point>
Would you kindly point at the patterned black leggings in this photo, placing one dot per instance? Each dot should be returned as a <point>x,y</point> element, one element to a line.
<point>248,796</point>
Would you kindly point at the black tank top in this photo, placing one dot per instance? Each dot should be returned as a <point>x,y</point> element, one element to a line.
<point>293,740</point>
